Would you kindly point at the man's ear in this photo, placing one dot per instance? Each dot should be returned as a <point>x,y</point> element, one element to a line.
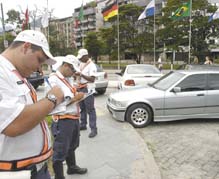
<point>26,46</point>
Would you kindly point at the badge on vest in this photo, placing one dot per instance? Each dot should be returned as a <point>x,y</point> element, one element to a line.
<point>20,82</point>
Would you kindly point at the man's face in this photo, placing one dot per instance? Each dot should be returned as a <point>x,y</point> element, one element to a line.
<point>69,70</point>
<point>32,59</point>
<point>84,58</point>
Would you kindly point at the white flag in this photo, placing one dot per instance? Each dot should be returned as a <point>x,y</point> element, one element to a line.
<point>214,16</point>
<point>148,11</point>
<point>45,19</point>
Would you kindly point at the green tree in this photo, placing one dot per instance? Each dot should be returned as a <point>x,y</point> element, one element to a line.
<point>93,44</point>
<point>13,16</point>
<point>108,47</point>
<point>135,36</point>
<point>175,33</point>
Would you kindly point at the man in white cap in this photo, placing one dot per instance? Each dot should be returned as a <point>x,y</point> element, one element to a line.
<point>65,126</point>
<point>24,134</point>
<point>87,75</point>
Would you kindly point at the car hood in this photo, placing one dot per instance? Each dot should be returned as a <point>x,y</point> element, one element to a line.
<point>137,93</point>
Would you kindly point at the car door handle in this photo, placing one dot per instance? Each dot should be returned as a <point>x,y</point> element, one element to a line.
<point>200,94</point>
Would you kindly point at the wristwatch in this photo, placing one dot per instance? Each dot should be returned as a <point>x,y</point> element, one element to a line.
<point>52,98</point>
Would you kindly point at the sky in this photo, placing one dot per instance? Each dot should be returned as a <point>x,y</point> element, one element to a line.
<point>61,8</point>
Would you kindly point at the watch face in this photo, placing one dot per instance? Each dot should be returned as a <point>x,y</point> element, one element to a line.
<point>52,98</point>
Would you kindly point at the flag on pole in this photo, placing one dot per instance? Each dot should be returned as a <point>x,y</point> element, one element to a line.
<point>148,11</point>
<point>26,20</point>
<point>81,13</point>
<point>110,11</point>
<point>214,16</point>
<point>45,19</point>
<point>183,11</point>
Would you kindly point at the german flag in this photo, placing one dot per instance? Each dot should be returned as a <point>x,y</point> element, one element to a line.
<point>110,11</point>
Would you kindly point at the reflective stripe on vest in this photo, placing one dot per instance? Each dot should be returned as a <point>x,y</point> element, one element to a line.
<point>45,152</point>
<point>80,85</point>
<point>20,164</point>
<point>69,116</point>
<point>65,116</point>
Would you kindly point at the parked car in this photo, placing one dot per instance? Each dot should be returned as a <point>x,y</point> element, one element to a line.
<point>177,95</point>
<point>197,66</point>
<point>137,75</point>
<point>101,81</point>
<point>36,79</point>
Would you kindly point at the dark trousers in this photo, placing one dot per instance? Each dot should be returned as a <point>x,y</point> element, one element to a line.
<point>66,134</point>
<point>41,174</point>
<point>66,139</point>
<point>87,107</point>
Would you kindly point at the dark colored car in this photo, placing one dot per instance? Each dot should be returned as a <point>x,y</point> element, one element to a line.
<point>36,79</point>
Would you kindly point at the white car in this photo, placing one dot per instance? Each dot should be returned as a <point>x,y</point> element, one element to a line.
<point>137,75</point>
<point>101,81</point>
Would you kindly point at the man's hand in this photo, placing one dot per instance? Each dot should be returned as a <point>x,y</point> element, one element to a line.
<point>58,93</point>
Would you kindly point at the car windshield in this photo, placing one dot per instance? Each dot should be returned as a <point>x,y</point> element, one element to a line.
<point>167,80</point>
<point>98,68</point>
<point>142,70</point>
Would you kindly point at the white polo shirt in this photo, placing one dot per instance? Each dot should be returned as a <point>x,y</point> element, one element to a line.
<point>14,95</point>
<point>55,79</point>
<point>88,69</point>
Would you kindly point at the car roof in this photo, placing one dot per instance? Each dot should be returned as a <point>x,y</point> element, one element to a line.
<point>202,67</point>
<point>139,65</point>
<point>187,72</point>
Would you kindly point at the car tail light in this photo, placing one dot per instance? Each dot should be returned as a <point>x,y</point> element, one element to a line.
<point>130,83</point>
<point>105,75</point>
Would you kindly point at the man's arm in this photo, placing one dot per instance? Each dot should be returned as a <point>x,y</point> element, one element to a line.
<point>33,114</point>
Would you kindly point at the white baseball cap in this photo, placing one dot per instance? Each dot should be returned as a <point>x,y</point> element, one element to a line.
<point>74,60</point>
<point>81,53</point>
<point>61,59</point>
<point>37,38</point>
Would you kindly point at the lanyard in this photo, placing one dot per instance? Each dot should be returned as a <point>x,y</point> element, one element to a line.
<point>34,98</point>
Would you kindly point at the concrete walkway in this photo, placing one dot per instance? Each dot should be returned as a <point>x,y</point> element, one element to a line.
<point>117,152</point>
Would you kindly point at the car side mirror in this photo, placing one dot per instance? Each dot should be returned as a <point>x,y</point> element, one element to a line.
<point>176,89</point>
<point>118,73</point>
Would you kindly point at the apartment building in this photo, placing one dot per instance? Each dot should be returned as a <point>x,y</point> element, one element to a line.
<point>65,31</point>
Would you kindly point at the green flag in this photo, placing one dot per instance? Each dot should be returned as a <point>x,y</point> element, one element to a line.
<point>181,12</point>
<point>81,14</point>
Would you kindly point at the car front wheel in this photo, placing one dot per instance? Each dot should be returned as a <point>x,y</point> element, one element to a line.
<point>101,91</point>
<point>139,115</point>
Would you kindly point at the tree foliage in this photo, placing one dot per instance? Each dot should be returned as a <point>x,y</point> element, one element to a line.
<point>92,44</point>
<point>175,33</point>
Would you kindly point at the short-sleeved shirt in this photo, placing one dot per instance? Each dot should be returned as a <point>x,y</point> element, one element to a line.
<point>56,79</point>
<point>88,69</point>
<point>14,95</point>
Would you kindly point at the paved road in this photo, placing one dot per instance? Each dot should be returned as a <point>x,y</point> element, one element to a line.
<point>186,149</point>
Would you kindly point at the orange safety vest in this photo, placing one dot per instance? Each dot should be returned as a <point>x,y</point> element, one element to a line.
<point>67,116</point>
<point>83,85</point>
<point>45,152</point>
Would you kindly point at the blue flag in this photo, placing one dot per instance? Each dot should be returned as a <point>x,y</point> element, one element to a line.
<point>148,11</point>
<point>214,16</point>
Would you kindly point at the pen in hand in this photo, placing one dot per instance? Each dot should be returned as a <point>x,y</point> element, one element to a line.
<point>48,83</point>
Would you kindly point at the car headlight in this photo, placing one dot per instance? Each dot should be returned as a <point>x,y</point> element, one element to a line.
<point>115,102</point>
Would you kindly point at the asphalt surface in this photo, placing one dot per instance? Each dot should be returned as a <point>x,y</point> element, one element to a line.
<point>118,151</point>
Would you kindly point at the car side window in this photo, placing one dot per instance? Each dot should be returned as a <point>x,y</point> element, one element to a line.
<point>195,82</point>
<point>213,82</point>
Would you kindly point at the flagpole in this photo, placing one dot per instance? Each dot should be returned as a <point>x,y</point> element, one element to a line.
<point>118,35</point>
<point>190,31</point>
<point>3,25</point>
<point>154,35</point>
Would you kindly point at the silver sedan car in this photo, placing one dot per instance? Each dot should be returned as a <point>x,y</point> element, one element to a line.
<point>136,75</point>
<point>177,95</point>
